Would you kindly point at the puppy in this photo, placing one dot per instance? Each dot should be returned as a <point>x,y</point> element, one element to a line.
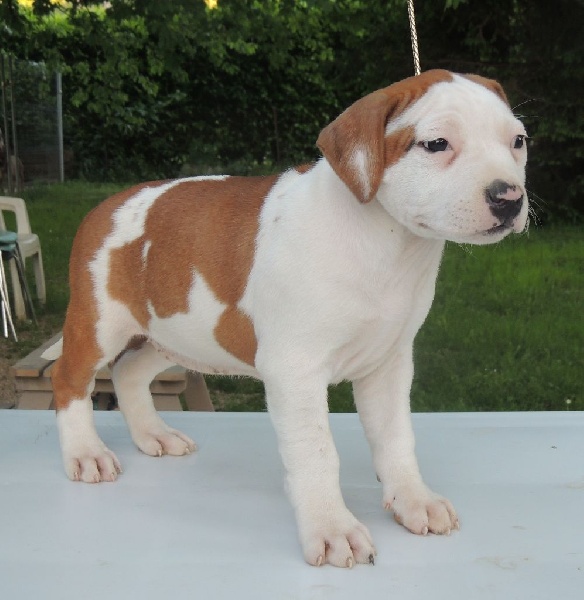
<point>321,274</point>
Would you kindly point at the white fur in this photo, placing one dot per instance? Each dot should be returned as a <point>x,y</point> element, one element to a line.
<point>338,290</point>
<point>481,130</point>
<point>54,351</point>
<point>145,251</point>
<point>131,376</point>
<point>188,337</point>
<point>360,161</point>
<point>85,456</point>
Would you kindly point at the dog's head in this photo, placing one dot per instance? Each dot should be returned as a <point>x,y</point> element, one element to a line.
<point>443,153</point>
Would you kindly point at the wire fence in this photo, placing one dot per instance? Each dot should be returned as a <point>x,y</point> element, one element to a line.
<point>31,139</point>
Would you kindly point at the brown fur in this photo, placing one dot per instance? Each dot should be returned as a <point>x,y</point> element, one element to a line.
<point>397,144</point>
<point>304,167</point>
<point>73,372</point>
<point>136,343</point>
<point>234,332</point>
<point>490,84</point>
<point>204,226</point>
<point>363,125</point>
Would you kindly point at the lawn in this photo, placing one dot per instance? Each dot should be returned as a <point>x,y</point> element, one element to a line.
<point>506,331</point>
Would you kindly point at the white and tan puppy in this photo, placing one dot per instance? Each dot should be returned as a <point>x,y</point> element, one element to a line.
<point>321,274</point>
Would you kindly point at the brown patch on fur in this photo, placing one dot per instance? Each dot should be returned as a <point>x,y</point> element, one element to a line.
<point>398,143</point>
<point>126,277</point>
<point>362,126</point>
<point>304,167</point>
<point>136,343</point>
<point>75,369</point>
<point>234,332</point>
<point>490,84</point>
<point>208,227</point>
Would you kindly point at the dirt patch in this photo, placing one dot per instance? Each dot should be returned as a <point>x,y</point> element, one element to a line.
<point>7,391</point>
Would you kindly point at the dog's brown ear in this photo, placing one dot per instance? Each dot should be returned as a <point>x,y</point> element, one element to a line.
<point>490,84</point>
<point>355,145</point>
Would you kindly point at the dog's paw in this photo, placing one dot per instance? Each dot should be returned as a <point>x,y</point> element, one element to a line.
<point>422,511</point>
<point>91,463</point>
<point>160,439</point>
<point>342,542</point>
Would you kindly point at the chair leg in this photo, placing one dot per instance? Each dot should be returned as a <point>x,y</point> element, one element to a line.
<point>4,306</point>
<point>19,308</point>
<point>39,277</point>
<point>5,302</point>
<point>23,283</point>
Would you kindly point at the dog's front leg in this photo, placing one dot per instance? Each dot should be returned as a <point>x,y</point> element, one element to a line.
<point>383,401</point>
<point>329,532</point>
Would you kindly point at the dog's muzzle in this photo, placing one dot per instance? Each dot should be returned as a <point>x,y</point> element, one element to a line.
<point>505,201</point>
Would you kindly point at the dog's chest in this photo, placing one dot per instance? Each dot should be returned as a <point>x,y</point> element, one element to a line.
<point>350,314</point>
<point>381,329</point>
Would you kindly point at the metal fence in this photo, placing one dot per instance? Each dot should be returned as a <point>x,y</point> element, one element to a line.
<point>31,124</point>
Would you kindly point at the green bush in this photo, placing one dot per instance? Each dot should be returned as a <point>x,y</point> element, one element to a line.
<point>151,86</point>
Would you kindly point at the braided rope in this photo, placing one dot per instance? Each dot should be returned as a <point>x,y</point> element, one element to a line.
<point>414,35</point>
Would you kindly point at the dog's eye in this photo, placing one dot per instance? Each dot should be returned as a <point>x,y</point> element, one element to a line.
<point>519,141</point>
<point>437,145</point>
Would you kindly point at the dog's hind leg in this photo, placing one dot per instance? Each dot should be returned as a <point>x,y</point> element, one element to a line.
<point>131,375</point>
<point>85,456</point>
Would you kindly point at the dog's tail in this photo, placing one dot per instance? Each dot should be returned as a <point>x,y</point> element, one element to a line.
<point>53,352</point>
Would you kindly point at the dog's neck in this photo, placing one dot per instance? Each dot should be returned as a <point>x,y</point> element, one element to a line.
<point>367,226</point>
<point>370,244</point>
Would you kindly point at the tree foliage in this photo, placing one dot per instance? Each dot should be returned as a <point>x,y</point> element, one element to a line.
<point>151,85</point>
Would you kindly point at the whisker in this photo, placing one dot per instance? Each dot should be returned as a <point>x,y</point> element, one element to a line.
<point>522,103</point>
<point>534,217</point>
<point>535,204</point>
<point>533,198</point>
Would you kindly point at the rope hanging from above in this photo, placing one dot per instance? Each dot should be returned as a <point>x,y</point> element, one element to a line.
<point>414,35</point>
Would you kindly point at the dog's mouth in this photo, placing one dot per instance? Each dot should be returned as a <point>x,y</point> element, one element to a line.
<point>481,236</point>
<point>502,227</point>
<point>496,232</point>
<point>509,224</point>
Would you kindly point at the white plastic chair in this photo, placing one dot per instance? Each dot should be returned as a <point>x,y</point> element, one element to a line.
<point>30,246</point>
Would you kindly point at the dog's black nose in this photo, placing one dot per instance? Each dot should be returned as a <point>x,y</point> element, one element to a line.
<point>504,199</point>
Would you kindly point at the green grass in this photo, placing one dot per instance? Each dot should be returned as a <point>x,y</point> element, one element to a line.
<point>506,331</point>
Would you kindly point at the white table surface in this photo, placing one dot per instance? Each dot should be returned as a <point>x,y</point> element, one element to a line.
<point>218,525</point>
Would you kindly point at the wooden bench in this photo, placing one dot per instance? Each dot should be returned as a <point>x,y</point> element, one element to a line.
<point>32,376</point>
